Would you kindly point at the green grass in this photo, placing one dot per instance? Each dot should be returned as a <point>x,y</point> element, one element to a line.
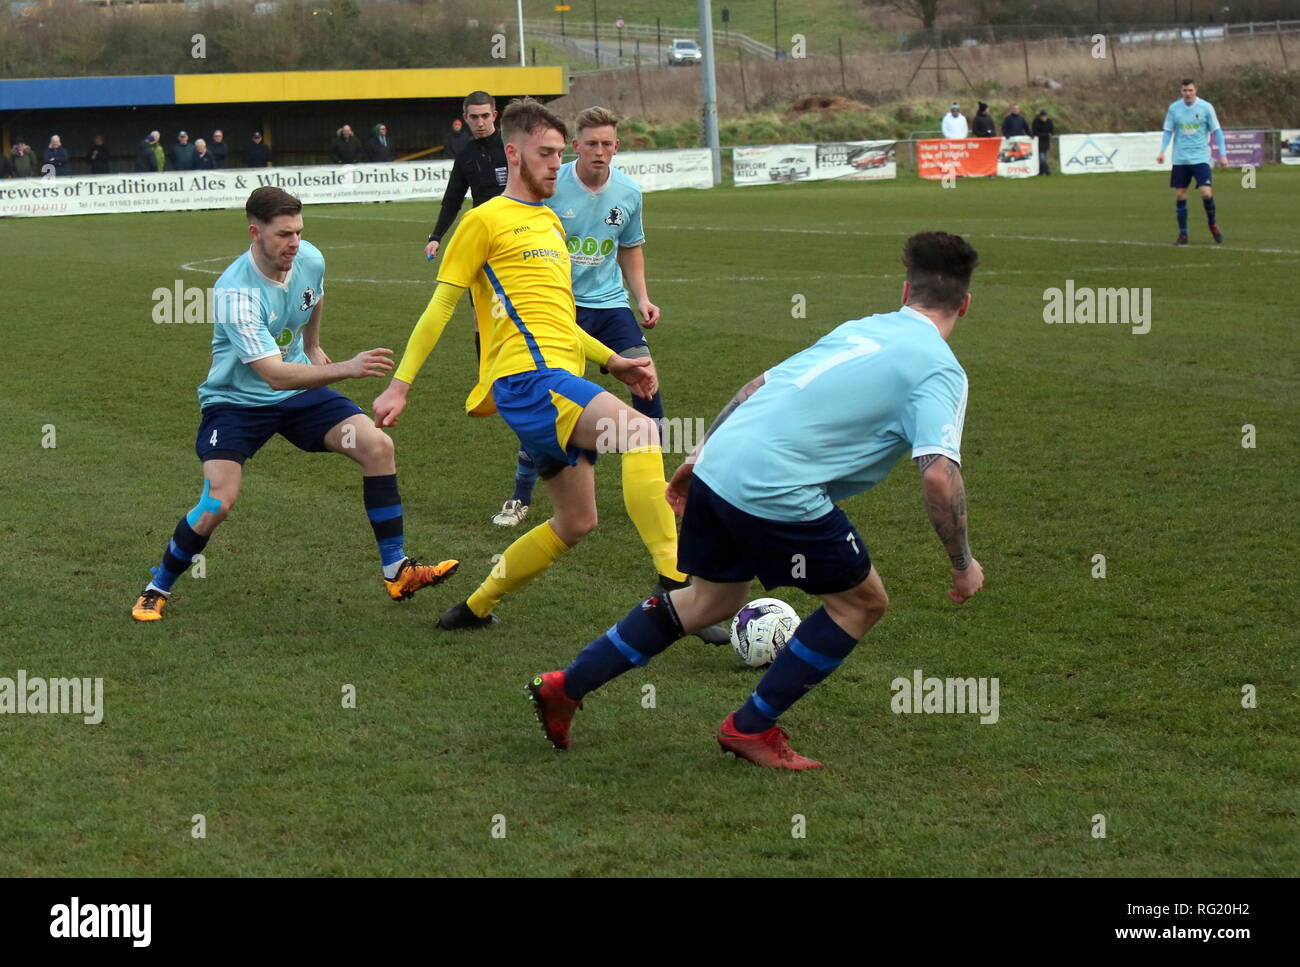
<point>1119,696</point>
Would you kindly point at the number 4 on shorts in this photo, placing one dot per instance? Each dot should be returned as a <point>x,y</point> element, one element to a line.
<point>213,441</point>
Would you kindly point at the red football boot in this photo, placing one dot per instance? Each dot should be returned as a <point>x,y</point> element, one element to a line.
<point>770,748</point>
<point>554,709</point>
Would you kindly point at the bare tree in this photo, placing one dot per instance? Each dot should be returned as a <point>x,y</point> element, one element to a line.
<point>926,11</point>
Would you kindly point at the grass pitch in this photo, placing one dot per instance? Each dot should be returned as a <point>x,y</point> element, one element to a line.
<point>1120,696</point>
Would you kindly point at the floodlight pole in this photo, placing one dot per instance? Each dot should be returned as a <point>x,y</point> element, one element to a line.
<point>519,9</point>
<point>710,89</point>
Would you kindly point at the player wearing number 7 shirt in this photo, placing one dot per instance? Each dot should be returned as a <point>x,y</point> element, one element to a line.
<point>822,426</point>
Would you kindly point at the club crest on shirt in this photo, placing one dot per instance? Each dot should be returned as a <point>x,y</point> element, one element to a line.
<point>615,217</point>
<point>308,299</point>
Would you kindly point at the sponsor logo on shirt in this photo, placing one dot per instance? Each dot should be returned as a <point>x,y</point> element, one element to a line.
<point>588,251</point>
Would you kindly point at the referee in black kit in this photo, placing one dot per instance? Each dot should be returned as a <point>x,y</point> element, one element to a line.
<point>479,167</point>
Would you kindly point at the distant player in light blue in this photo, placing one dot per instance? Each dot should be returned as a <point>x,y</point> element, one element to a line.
<point>269,375</point>
<point>1190,122</point>
<point>600,208</point>
<point>759,501</point>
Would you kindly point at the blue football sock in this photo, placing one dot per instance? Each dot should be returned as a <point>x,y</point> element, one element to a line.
<point>185,543</point>
<point>384,508</point>
<point>646,630</point>
<point>653,407</point>
<point>1181,209</point>
<point>525,479</point>
<point>1209,211</point>
<point>818,647</point>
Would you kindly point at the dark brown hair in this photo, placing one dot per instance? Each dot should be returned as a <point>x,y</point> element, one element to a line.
<point>939,268</point>
<point>478,97</point>
<point>526,116</point>
<point>267,202</point>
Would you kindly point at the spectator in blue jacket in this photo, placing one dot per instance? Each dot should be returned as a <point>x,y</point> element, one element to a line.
<point>183,153</point>
<point>1014,124</point>
<point>56,154</point>
<point>203,160</point>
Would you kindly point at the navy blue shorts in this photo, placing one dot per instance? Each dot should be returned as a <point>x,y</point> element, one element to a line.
<point>1180,176</point>
<point>720,542</point>
<point>617,328</point>
<point>230,432</point>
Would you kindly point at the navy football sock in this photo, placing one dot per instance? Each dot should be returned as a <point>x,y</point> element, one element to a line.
<point>185,543</point>
<point>818,647</point>
<point>384,508</point>
<point>525,479</point>
<point>644,632</point>
<point>1209,211</point>
<point>1181,208</point>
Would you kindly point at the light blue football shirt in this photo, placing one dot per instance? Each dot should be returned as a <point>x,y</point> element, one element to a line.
<point>1190,126</point>
<point>256,318</point>
<point>596,223</point>
<point>833,420</point>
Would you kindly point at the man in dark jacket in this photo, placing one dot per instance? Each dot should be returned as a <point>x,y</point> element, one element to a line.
<point>146,158</point>
<point>346,149</point>
<point>1043,130</point>
<point>184,156</point>
<point>981,125</point>
<point>258,153</point>
<point>456,140</point>
<point>218,148</point>
<point>380,146</point>
<point>24,161</point>
<point>1014,124</point>
<point>480,167</point>
<point>99,157</point>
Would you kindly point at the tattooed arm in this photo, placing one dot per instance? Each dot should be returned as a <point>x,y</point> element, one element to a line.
<point>945,503</point>
<point>680,484</point>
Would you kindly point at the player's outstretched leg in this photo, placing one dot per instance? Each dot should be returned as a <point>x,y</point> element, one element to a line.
<point>644,632</point>
<point>221,480</point>
<point>573,495</point>
<point>358,437</point>
<point>820,644</point>
<point>514,510</point>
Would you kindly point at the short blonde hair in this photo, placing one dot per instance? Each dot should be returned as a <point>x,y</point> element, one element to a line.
<point>596,117</point>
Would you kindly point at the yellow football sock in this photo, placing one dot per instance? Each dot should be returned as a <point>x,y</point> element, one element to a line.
<point>523,560</point>
<point>643,496</point>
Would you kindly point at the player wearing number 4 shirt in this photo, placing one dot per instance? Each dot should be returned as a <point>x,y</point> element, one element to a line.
<point>759,501</point>
<point>269,375</point>
<point>1190,122</point>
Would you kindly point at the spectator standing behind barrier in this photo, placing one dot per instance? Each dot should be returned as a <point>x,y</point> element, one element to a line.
<point>258,152</point>
<point>203,160</point>
<point>381,149</point>
<point>148,156</point>
<point>56,155</point>
<point>981,126</point>
<point>954,123</point>
<point>1043,130</point>
<point>99,157</point>
<point>346,149</point>
<point>183,153</point>
<point>1014,124</point>
<point>456,140</point>
<point>219,149</point>
<point>24,161</point>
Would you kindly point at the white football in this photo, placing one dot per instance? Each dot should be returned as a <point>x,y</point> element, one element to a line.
<point>761,629</point>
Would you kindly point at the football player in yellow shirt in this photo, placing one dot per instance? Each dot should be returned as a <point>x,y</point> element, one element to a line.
<point>510,253</point>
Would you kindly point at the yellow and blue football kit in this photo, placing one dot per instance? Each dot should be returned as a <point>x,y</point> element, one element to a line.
<point>511,256</point>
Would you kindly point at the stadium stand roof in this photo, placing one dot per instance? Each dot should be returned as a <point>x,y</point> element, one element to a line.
<point>353,85</point>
